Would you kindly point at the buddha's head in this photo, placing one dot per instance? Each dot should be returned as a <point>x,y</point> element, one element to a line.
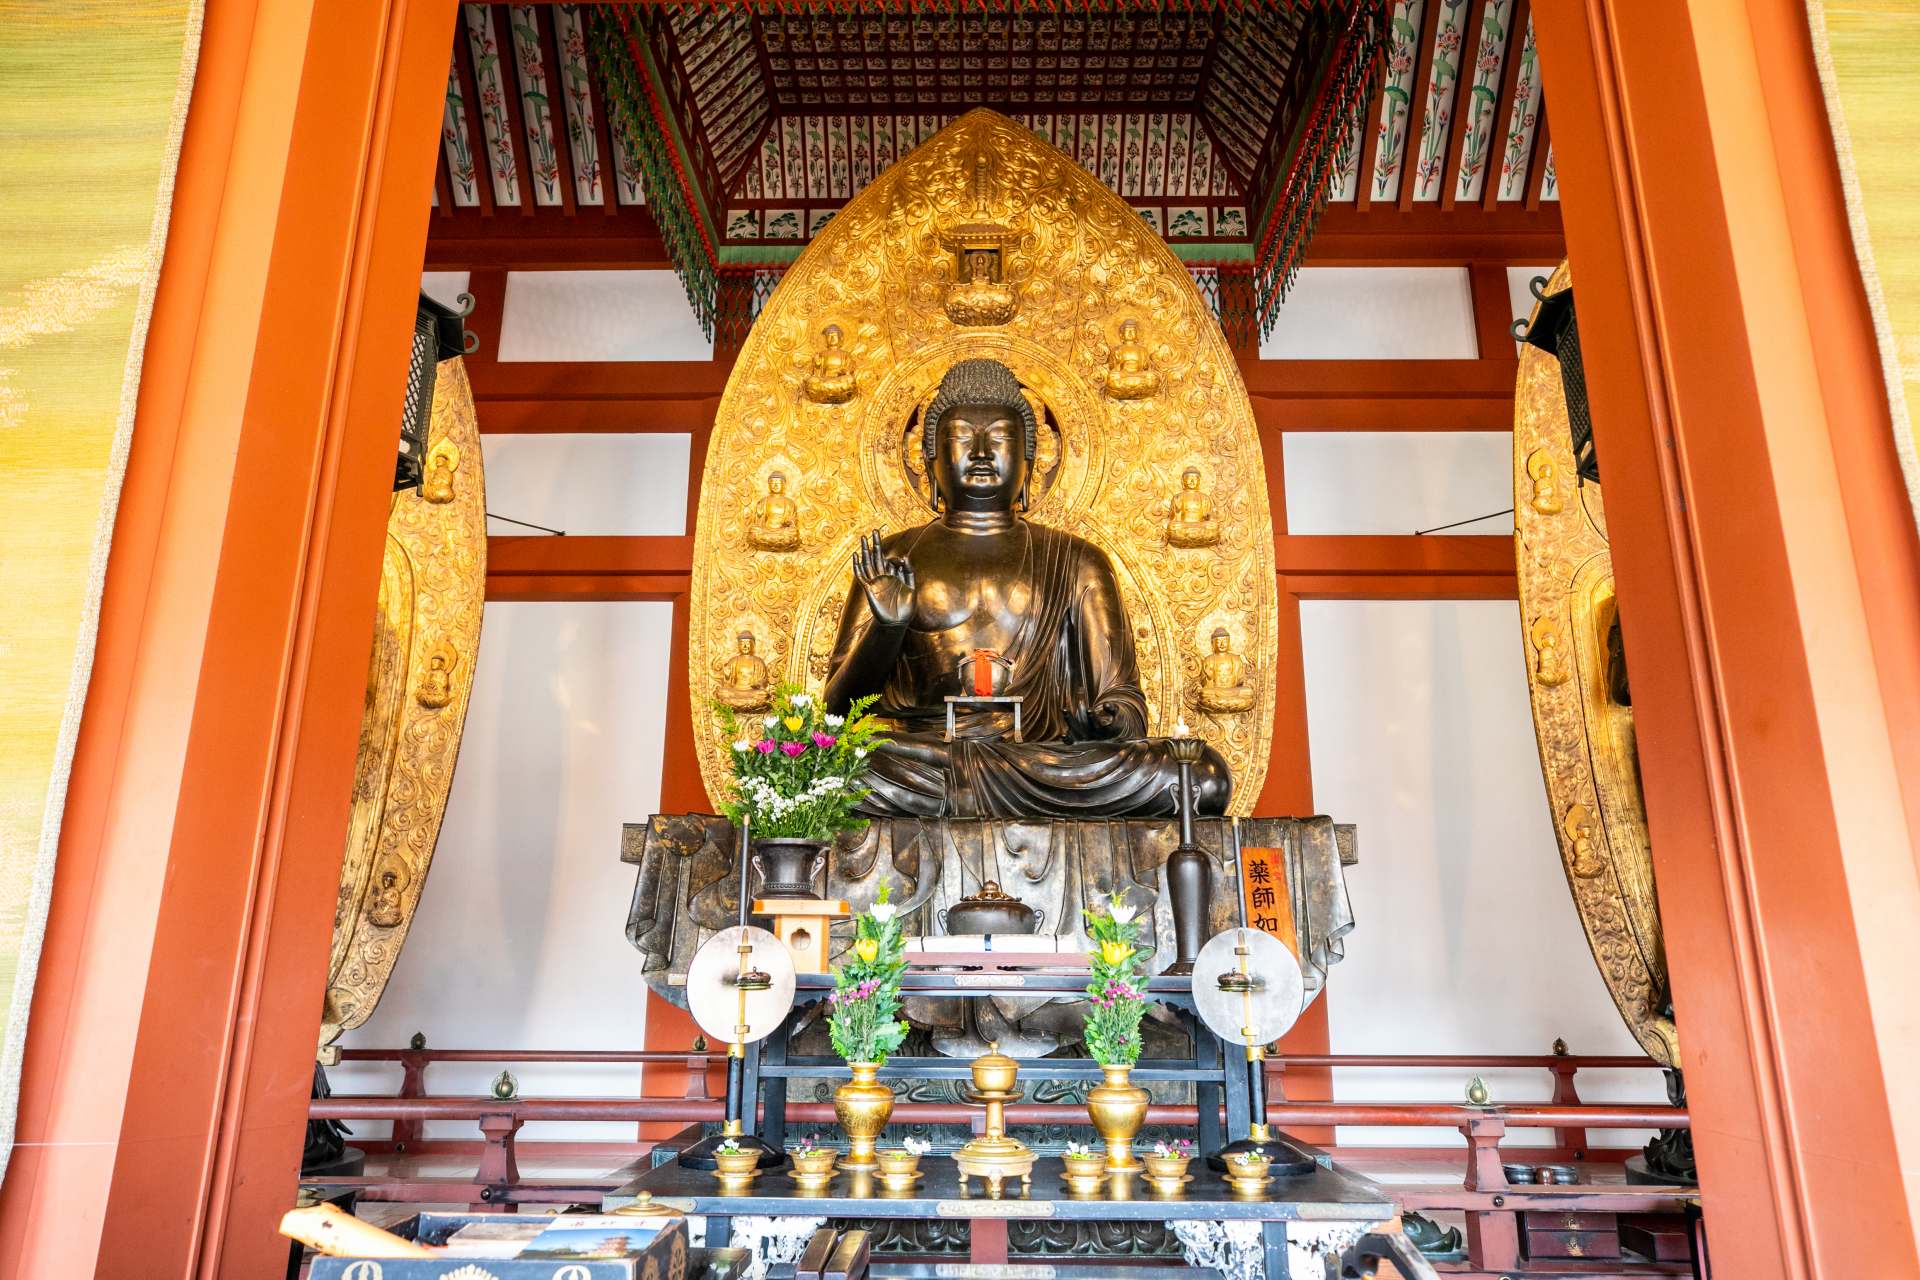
<point>1222,641</point>
<point>980,439</point>
<point>1190,478</point>
<point>777,483</point>
<point>831,334</point>
<point>746,642</point>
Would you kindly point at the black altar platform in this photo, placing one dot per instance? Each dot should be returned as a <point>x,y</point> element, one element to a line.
<point>1326,1197</point>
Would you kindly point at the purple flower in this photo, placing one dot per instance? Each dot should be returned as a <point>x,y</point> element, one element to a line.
<point>824,741</point>
<point>793,748</point>
<point>766,746</point>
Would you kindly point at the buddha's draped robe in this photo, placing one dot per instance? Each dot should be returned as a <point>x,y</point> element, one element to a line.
<point>1085,751</point>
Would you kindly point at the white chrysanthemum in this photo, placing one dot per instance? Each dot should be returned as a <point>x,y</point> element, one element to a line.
<point>834,722</point>
<point>884,911</point>
<point>801,699</point>
<point>743,745</point>
<point>1123,911</point>
<point>859,753</point>
<point>770,721</point>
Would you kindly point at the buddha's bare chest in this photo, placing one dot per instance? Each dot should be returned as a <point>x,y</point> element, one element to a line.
<point>977,594</point>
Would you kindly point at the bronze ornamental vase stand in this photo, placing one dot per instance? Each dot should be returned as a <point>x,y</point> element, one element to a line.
<point>862,1106</point>
<point>1189,884</point>
<point>1118,1108</point>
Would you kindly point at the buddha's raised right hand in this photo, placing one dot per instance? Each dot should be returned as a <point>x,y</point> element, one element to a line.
<point>888,581</point>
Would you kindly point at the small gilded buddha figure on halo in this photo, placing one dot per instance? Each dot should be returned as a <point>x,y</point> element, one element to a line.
<point>1130,372</point>
<point>1190,520</point>
<point>1224,686</point>
<point>924,604</point>
<point>776,520</point>
<point>831,381</point>
<point>743,681</point>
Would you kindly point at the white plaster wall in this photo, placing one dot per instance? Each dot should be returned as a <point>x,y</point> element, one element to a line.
<point>1374,313</point>
<point>1467,940</point>
<point>589,483</point>
<point>519,942</point>
<point>1355,482</point>
<point>599,315</point>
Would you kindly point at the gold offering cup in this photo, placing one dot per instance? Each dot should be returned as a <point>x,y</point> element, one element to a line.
<point>736,1167</point>
<point>899,1170</point>
<point>994,1072</point>
<point>1166,1166</point>
<point>813,1169</point>
<point>1086,1175</point>
<point>1247,1172</point>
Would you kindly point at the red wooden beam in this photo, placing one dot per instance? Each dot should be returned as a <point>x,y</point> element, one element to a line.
<point>1428,235</point>
<point>1492,309</point>
<point>660,567</point>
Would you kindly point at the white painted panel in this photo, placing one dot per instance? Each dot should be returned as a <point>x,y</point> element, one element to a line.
<point>1467,940</point>
<point>519,939</point>
<point>599,315</point>
<point>589,483</point>
<point>1397,481</point>
<point>444,287</point>
<point>1374,313</point>
<point>1520,288</point>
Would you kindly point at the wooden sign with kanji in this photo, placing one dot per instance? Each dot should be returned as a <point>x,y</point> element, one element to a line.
<point>1269,901</point>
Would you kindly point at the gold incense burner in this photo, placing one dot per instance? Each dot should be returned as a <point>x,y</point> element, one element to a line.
<point>995,1157</point>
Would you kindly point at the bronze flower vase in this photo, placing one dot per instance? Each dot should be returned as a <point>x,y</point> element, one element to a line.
<point>1118,1108</point>
<point>862,1106</point>
<point>788,867</point>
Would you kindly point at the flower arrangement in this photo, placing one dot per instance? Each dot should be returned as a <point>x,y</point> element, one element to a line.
<point>865,1019</point>
<point>1178,1149</point>
<point>730,1147</point>
<point>1081,1151</point>
<point>796,770</point>
<point>1117,987</point>
<point>917,1146</point>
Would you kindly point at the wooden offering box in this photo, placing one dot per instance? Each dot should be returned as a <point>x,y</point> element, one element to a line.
<point>802,923</point>
<point>655,1246</point>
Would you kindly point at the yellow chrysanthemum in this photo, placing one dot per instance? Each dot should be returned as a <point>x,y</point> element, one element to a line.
<point>867,949</point>
<point>1115,953</point>
<point>793,723</point>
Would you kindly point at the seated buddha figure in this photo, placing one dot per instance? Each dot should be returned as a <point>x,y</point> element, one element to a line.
<point>981,576</point>
<point>776,524</point>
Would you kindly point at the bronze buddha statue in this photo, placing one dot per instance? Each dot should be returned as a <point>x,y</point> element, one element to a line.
<point>981,577</point>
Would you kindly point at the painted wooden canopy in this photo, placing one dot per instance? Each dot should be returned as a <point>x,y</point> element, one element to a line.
<point>742,128</point>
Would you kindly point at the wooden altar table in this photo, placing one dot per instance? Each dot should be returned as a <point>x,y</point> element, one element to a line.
<point>1326,1209</point>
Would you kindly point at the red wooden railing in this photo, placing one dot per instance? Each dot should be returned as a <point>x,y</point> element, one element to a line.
<point>1491,1205</point>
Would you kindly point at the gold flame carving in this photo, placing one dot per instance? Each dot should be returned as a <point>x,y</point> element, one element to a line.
<point>1585,728</point>
<point>432,586</point>
<point>1080,262</point>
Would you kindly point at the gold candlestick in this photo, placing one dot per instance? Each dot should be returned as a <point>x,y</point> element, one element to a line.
<point>995,1156</point>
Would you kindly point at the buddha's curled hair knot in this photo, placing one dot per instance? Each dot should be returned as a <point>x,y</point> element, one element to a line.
<point>982,382</point>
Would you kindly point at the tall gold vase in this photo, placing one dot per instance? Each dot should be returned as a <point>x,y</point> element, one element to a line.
<point>862,1106</point>
<point>1118,1108</point>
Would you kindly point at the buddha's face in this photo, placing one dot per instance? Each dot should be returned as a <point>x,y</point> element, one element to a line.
<point>1221,642</point>
<point>980,458</point>
<point>746,643</point>
<point>1190,479</point>
<point>776,483</point>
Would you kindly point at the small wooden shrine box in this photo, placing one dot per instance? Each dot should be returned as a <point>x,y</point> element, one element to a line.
<point>802,924</point>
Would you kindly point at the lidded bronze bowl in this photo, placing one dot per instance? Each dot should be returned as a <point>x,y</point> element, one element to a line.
<point>992,910</point>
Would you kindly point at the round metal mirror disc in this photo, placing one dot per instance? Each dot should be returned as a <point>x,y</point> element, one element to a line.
<point>714,1000</point>
<point>1270,1008</point>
